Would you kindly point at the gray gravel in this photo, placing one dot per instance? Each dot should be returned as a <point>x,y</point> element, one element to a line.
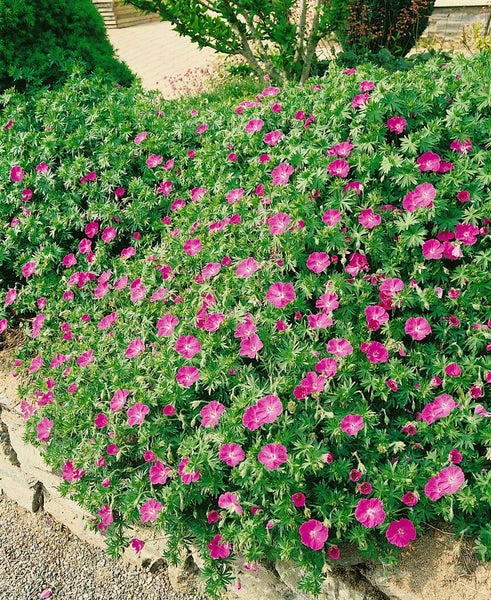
<point>37,554</point>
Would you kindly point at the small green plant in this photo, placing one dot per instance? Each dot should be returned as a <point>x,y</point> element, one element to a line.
<point>262,325</point>
<point>41,40</point>
<point>475,38</point>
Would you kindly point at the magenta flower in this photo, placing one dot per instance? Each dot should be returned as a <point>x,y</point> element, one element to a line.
<point>101,421</point>
<point>186,376</point>
<point>153,160</point>
<point>140,138</point>
<point>417,327</point>
<point>254,126</point>
<point>250,346</point>
<point>376,352</point>
<point>272,137</point>
<point>358,262</point>
<point>331,217</point>
<point>370,512</point>
<point>313,534</point>
<point>3,325</point>
<point>429,161</point>
<point>136,414</point>
<point>229,501</point>
<point>360,100</point>
<point>278,224</point>
<point>17,173</point>
<point>376,316</point>
<point>461,147</point>
<point>231,454</point>
<point>272,456</point>
<point>70,473</point>
<point>440,407</point>
<point>298,499</point>
<point>466,233</point>
<point>281,174</point>
<point>410,499</point>
<point>43,429</point>
<point>432,249</point>
<point>319,321</point>
<point>211,413</point>
<point>369,219</point>
<point>192,246</point>
<point>448,481</point>
<point>327,367</point>
<point>135,347</point>
<point>343,149</point>
<point>339,347</point>
<point>187,477</point>
<point>150,510</point>
<point>10,297</point>
<point>108,234</point>
<point>213,321</point>
<point>396,124</point>
<point>210,270</point>
<point>455,456</point>
<point>137,545</point>
<point>401,533</point>
<point>280,294</point>
<point>352,424</point>
<point>28,269</point>
<point>391,286</point>
<point>328,302</point>
<point>218,549</point>
<point>338,168</point>
<point>453,370</point>
<point>269,408</point>
<point>251,419</point>
<point>246,268</point>
<point>86,358</point>
<point>234,196</point>
<point>318,262</point>
<point>188,346</point>
<point>118,400</point>
<point>158,473</point>
<point>166,325</point>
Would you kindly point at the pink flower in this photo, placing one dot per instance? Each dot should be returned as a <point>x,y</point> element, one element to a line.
<point>466,233</point>
<point>218,549</point>
<point>327,367</point>
<point>188,346</point>
<point>278,224</point>
<point>254,126</point>
<point>86,358</point>
<point>246,268</point>
<point>231,454</point>
<point>352,424</point>
<point>439,408</point>
<point>369,219</point>
<point>280,294</point>
<point>342,150</point>
<point>211,413</point>
<point>396,124</point>
<point>453,370</point>
<point>192,246</point>
<point>150,510</point>
<point>186,376</point>
<point>461,147</point>
<point>410,499</point>
<point>250,346</point>
<point>318,262</point>
<point>213,321</point>
<point>319,321</point>
<point>135,347</point>
<point>455,456</point>
<point>375,316</point>
<point>229,501</point>
<point>391,286</point>
<point>28,269</point>
<point>251,419</point>
<point>421,197</point>
<point>137,545</point>
<point>272,138</point>
<point>327,302</point>
<point>432,249</point>
<point>3,325</point>
<point>10,297</point>
<point>376,352</point>
<point>298,499</point>
<point>331,217</point>
<point>338,168</point>
<point>158,473</point>
<point>401,533</point>
<point>339,347</point>
<point>281,174</point>
<point>271,91</point>
<point>234,195</point>
<point>463,196</point>
<point>136,414</point>
<point>108,234</point>
<point>187,477</point>
<point>370,512</point>
<point>448,481</point>
<point>269,408</point>
<point>140,137</point>
<point>70,473</point>
<point>313,534</point>
<point>358,262</point>
<point>101,421</point>
<point>166,325</point>
<point>17,173</point>
<point>118,400</point>
<point>43,429</point>
<point>153,161</point>
<point>429,161</point>
<point>417,327</point>
<point>272,456</point>
<point>210,270</point>
<point>202,128</point>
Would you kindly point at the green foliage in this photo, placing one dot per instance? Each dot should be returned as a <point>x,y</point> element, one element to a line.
<point>192,171</point>
<point>41,40</point>
<point>375,24</point>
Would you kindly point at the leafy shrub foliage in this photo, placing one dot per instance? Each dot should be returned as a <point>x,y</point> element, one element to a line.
<point>41,39</point>
<point>375,24</point>
<point>264,327</point>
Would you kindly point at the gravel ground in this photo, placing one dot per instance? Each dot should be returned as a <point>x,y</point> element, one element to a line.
<point>37,555</point>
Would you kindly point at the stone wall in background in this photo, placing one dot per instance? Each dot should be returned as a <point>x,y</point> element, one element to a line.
<point>448,20</point>
<point>435,567</point>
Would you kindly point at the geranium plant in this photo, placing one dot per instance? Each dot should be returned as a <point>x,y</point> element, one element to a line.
<point>275,341</point>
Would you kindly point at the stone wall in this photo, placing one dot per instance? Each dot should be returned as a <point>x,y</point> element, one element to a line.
<point>447,22</point>
<point>436,567</point>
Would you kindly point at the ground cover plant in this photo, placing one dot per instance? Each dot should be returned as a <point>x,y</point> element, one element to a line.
<point>261,326</point>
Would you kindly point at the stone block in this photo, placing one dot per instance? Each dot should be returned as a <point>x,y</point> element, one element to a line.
<point>260,585</point>
<point>24,490</point>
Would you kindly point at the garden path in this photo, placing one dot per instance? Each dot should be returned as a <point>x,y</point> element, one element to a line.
<point>159,56</point>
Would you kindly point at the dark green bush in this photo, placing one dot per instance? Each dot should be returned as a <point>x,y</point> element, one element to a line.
<point>40,40</point>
